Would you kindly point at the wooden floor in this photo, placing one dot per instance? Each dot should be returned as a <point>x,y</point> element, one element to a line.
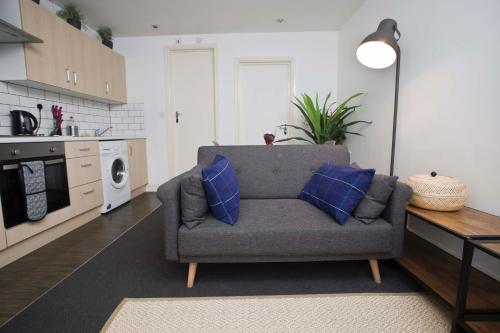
<point>440,272</point>
<point>28,278</point>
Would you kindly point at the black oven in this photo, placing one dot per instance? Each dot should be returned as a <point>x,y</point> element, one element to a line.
<point>11,154</point>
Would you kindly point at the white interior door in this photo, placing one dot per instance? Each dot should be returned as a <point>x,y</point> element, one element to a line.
<point>263,101</point>
<point>192,103</point>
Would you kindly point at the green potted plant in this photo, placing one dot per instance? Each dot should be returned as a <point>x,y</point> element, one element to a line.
<point>326,125</point>
<point>106,35</point>
<point>72,15</point>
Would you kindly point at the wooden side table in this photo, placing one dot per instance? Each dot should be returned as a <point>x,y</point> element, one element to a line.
<point>491,246</point>
<point>444,274</point>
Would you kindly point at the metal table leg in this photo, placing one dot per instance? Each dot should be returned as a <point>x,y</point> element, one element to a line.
<point>463,288</point>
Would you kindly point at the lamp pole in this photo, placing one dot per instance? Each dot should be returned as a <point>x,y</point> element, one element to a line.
<point>395,116</point>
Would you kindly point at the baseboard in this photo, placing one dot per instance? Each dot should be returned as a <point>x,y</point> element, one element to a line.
<point>138,191</point>
<point>31,244</point>
<point>152,187</point>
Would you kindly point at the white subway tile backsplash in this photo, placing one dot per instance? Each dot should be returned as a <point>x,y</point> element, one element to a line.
<point>77,101</point>
<point>5,121</point>
<point>127,119</point>
<point>5,131</point>
<point>4,109</point>
<point>88,103</point>
<point>3,87</point>
<point>36,93</point>
<point>9,99</point>
<point>51,96</point>
<point>27,101</point>
<point>66,99</point>
<point>121,126</point>
<point>15,89</point>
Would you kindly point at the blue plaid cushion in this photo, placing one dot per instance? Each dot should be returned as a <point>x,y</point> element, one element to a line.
<point>223,190</point>
<point>337,190</point>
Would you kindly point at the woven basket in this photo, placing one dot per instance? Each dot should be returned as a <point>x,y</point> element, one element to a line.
<point>439,193</point>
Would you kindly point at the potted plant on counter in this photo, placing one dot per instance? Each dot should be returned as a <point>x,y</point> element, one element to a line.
<point>326,125</point>
<point>72,15</point>
<point>106,35</point>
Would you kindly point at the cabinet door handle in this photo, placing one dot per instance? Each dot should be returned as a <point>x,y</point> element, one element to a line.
<point>107,88</point>
<point>84,149</point>
<point>88,192</point>
<point>67,75</point>
<point>86,165</point>
<point>74,77</point>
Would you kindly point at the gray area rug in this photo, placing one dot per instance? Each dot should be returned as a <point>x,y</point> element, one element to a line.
<point>134,267</point>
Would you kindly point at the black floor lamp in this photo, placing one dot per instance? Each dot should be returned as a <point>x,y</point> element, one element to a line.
<point>379,50</point>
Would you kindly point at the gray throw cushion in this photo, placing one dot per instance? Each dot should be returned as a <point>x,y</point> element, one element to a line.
<point>193,199</point>
<point>375,200</point>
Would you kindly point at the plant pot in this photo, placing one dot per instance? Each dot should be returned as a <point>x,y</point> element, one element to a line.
<point>76,23</point>
<point>108,43</point>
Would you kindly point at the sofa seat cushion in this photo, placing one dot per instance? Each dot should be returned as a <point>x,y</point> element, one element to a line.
<point>283,227</point>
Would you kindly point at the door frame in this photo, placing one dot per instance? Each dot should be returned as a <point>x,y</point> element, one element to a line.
<point>170,113</point>
<point>262,61</point>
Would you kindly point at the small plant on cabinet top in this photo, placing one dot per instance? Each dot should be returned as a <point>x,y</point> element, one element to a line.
<point>325,123</point>
<point>106,35</point>
<point>72,15</point>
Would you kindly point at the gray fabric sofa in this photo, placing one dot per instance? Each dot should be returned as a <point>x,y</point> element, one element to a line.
<point>275,226</point>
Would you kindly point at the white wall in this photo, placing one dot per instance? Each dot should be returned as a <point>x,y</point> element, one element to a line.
<point>448,109</point>
<point>315,61</point>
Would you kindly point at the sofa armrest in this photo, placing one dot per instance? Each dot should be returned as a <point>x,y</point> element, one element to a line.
<point>395,214</point>
<point>170,196</point>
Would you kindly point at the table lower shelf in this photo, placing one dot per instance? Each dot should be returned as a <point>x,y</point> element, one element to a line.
<point>440,272</point>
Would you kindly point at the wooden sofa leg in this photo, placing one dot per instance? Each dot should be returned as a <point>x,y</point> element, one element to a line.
<point>191,274</point>
<point>375,271</point>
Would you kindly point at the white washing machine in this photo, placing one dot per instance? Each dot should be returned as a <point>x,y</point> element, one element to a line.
<point>115,176</point>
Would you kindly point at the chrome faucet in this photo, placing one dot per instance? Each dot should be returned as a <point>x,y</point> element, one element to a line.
<point>98,133</point>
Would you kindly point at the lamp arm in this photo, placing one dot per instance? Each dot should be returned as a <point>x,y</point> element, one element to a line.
<point>396,30</point>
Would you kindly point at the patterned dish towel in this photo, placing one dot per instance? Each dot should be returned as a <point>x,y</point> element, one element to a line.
<point>32,178</point>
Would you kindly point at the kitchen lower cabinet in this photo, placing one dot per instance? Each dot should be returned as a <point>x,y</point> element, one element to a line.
<point>137,162</point>
<point>86,197</point>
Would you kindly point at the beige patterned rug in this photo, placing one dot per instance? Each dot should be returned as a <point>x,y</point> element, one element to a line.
<point>305,313</point>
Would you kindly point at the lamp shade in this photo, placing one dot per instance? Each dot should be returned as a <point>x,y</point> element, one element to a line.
<point>380,49</point>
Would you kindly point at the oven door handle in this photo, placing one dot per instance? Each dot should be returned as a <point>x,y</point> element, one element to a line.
<point>56,161</point>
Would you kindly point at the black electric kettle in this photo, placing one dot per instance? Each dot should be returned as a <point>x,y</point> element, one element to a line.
<point>23,123</point>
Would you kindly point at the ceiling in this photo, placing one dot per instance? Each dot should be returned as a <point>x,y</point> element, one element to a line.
<point>135,17</point>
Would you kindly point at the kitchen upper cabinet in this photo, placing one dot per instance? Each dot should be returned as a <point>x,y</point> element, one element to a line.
<point>42,58</point>
<point>137,163</point>
<point>112,75</point>
<point>118,89</point>
<point>68,60</point>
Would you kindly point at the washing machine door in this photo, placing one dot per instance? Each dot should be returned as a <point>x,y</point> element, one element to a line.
<point>118,171</point>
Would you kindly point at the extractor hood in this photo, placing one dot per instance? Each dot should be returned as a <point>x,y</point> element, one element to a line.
<point>11,34</point>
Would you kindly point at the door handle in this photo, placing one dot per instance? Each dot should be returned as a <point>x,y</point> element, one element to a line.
<point>67,76</point>
<point>177,114</point>
<point>74,77</point>
<point>107,88</point>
